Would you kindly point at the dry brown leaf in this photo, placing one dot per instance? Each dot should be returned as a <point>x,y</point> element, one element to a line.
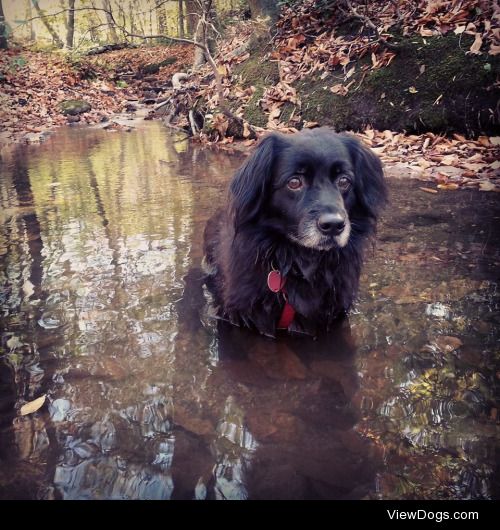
<point>339,89</point>
<point>449,160</point>
<point>350,73</point>
<point>310,124</point>
<point>448,344</point>
<point>428,190</point>
<point>33,406</point>
<point>494,49</point>
<point>487,185</point>
<point>476,45</point>
<point>371,133</point>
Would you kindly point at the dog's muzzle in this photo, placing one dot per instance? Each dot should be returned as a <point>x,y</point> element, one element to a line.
<point>325,232</point>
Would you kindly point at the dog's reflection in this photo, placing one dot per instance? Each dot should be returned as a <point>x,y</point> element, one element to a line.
<point>285,420</point>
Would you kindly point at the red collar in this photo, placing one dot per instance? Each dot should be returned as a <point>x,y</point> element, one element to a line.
<point>276,284</point>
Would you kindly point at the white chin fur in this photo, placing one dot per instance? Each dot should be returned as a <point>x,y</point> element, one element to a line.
<point>311,237</point>
<point>343,238</point>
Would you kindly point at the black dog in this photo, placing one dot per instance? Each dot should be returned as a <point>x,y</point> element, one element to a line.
<point>287,252</point>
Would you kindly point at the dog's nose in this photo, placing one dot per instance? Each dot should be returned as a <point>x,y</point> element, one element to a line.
<point>331,223</point>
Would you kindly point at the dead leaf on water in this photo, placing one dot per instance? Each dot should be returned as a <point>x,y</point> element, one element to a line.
<point>448,344</point>
<point>14,343</point>
<point>33,406</point>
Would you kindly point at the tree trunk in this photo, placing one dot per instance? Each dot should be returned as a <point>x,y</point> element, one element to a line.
<point>112,36</point>
<point>191,11</point>
<point>29,16</point>
<point>55,37</point>
<point>3,29</point>
<point>70,35</point>
<point>181,19</point>
<point>62,5</point>
<point>199,54</point>
<point>264,8</point>
<point>132,19</point>
<point>161,17</point>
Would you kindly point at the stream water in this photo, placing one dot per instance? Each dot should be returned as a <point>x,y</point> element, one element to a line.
<point>102,309</point>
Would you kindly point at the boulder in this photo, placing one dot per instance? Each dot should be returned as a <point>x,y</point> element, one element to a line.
<point>73,107</point>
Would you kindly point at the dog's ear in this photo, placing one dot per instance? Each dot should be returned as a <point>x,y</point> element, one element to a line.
<point>370,185</point>
<point>249,185</point>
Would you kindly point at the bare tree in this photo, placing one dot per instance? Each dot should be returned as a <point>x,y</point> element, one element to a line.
<point>191,16</point>
<point>181,19</point>
<point>3,29</point>
<point>161,16</point>
<point>70,35</point>
<point>113,37</point>
<point>29,14</point>
<point>55,37</point>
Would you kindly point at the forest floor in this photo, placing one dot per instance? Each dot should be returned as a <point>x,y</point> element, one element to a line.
<point>285,81</point>
<point>34,87</point>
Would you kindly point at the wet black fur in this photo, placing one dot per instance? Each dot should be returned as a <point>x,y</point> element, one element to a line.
<point>243,242</point>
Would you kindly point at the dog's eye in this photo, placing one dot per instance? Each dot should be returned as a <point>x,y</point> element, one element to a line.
<point>295,183</point>
<point>344,184</point>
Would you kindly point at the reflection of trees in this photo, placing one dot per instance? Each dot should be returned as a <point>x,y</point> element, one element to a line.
<point>144,401</point>
<point>115,232</point>
<point>20,276</point>
<point>429,407</point>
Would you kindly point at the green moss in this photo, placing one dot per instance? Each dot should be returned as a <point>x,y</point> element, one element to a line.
<point>72,107</point>
<point>431,85</point>
<point>253,113</point>
<point>260,72</point>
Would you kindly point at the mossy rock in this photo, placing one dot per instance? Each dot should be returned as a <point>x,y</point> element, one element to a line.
<point>258,71</point>
<point>431,85</point>
<point>154,68</point>
<point>73,107</point>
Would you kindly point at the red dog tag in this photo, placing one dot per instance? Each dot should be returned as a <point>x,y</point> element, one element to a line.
<point>275,281</point>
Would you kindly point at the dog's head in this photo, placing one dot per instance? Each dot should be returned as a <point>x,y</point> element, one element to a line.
<point>316,187</point>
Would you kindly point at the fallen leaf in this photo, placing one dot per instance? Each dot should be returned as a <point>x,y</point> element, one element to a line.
<point>476,45</point>
<point>494,49</point>
<point>350,73</point>
<point>428,190</point>
<point>448,344</point>
<point>14,343</point>
<point>32,406</point>
<point>486,185</point>
<point>339,89</point>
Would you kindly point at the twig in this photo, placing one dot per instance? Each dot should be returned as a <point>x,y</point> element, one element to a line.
<point>366,20</point>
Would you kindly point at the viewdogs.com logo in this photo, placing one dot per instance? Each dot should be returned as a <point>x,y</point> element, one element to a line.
<point>432,516</point>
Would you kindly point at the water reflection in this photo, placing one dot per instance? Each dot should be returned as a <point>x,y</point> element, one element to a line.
<point>103,309</point>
